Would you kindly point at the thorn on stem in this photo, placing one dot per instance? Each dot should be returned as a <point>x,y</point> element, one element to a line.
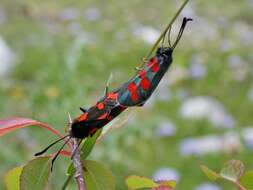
<point>70,119</point>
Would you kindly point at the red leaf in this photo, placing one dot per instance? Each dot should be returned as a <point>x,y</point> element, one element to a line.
<point>11,124</point>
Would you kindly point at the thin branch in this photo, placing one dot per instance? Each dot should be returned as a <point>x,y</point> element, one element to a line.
<point>240,187</point>
<point>78,166</point>
<point>164,32</point>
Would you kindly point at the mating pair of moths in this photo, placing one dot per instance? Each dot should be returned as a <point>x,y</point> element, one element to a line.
<point>134,92</point>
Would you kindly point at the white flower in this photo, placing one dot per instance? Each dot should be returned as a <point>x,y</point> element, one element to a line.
<point>226,45</point>
<point>207,108</point>
<point>229,142</point>
<point>166,174</point>
<point>146,33</point>
<point>69,14</point>
<point>200,146</point>
<point>197,70</point>
<point>235,62</point>
<point>207,186</point>
<point>166,128</point>
<point>92,14</point>
<point>247,135</point>
<point>7,58</point>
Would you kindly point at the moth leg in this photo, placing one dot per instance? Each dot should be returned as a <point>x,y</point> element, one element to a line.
<point>141,104</point>
<point>138,68</point>
<point>83,110</point>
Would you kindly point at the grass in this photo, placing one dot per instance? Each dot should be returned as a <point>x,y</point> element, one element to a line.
<point>49,81</point>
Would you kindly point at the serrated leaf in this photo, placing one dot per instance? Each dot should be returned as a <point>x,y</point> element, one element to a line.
<point>138,182</point>
<point>12,124</point>
<point>85,150</point>
<point>11,178</point>
<point>212,175</point>
<point>232,170</point>
<point>35,174</point>
<point>97,176</point>
<point>246,180</point>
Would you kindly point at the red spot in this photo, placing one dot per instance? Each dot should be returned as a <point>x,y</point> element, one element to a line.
<point>110,117</point>
<point>103,116</point>
<point>92,131</point>
<point>82,117</point>
<point>142,73</point>
<point>100,105</point>
<point>145,84</point>
<point>152,62</point>
<point>155,67</point>
<point>132,87</point>
<point>112,96</point>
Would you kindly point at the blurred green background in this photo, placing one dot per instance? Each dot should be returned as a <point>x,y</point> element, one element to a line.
<point>56,56</point>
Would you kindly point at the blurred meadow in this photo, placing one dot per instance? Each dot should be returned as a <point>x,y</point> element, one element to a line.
<point>56,56</point>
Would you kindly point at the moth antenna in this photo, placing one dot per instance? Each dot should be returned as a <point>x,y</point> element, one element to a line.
<point>185,20</point>
<point>57,154</point>
<point>163,39</point>
<point>169,36</point>
<point>49,146</point>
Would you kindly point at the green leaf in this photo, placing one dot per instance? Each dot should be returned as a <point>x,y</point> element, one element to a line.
<point>137,182</point>
<point>35,174</point>
<point>247,180</point>
<point>232,170</point>
<point>89,144</point>
<point>11,178</point>
<point>97,176</point>
<point>85,150</point>
<point>212,175</point>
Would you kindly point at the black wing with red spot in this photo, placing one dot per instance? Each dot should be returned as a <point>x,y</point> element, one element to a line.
<point>138,89</point>
<point>97,116</point>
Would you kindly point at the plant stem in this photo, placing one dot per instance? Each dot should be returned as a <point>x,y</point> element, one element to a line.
<point>164,32</point>
<point>78,166</point>
<point>240,187</point>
